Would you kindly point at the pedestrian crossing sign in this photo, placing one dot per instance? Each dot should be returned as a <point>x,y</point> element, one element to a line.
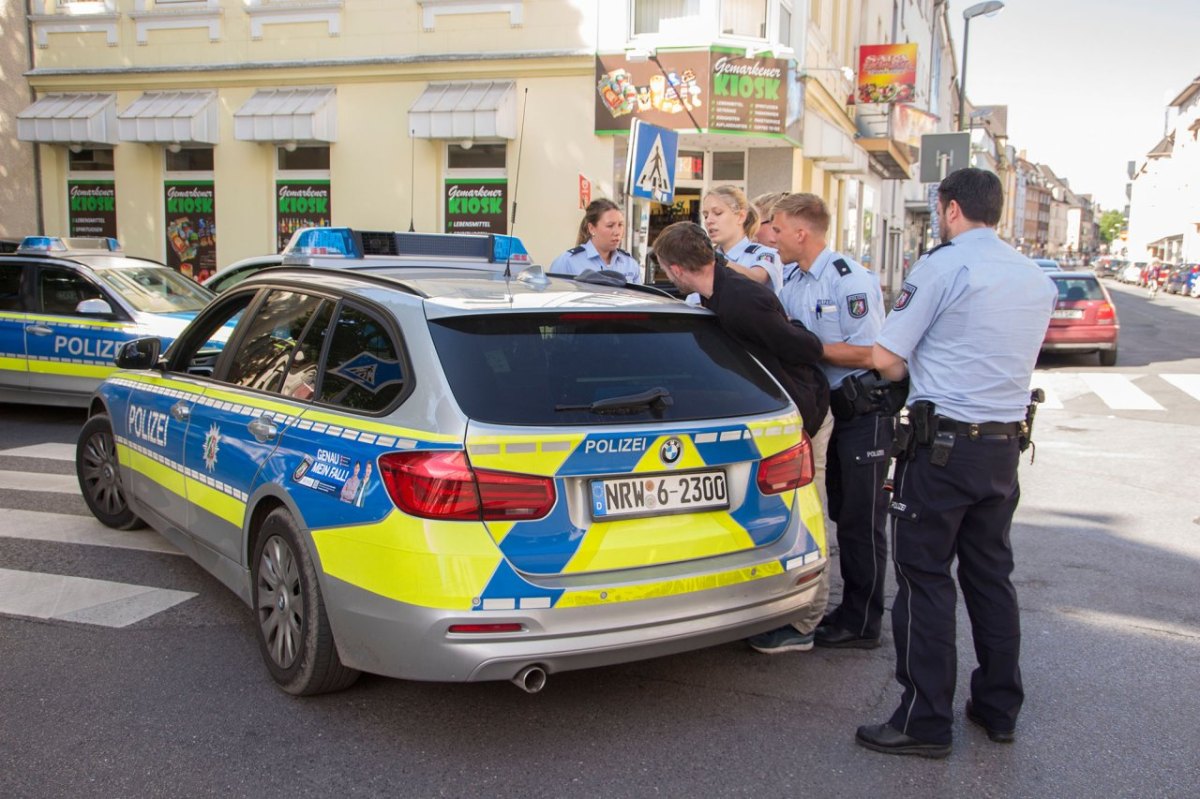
<point>653,151</point>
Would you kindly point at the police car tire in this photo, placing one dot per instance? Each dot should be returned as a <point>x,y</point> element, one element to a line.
<point>99,475</point>
<point>316,667</point>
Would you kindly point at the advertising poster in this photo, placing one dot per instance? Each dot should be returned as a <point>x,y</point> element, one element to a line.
<point>93,208</point>
<point>300,203</point>
<point>628,90</point>
<point>191,227</point>
<point>477,205</point>
<point>887,73</point>
<point>748,94</point>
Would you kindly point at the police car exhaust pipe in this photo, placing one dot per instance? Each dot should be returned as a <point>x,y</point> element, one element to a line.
<point>530,679</point>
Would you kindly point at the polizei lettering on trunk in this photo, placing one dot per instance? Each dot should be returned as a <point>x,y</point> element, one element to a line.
<point>611,445</point>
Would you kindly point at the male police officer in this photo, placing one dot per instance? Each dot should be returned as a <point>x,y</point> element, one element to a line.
<point>967,328</point>
<point>841,302</point>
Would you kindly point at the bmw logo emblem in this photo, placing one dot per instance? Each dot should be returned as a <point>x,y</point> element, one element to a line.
<point>670,451</point>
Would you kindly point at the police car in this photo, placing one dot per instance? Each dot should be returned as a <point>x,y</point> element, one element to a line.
<point>67,305</point>
<point>443,464</point>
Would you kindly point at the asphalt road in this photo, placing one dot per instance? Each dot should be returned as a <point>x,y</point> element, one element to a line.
<point>1108,543</point>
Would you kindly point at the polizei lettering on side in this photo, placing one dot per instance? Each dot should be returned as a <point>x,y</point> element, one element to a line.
<point>150,426</point>
<point>80,347</point>
<point>604,446</point>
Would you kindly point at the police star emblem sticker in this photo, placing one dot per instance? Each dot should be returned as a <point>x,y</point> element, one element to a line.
<point>856,305</point>
<point>212,444</point>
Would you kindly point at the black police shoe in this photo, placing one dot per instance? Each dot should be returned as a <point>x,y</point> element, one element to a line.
<point>839,638</point>
<point>889,740</point>
<point>994,735</point>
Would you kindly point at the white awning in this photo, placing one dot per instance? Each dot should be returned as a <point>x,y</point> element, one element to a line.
<point>70,119</point>
<point>171,117</point>
<point>283,115</point>
<point>465,110</point>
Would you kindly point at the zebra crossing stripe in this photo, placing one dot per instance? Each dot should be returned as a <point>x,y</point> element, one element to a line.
<point>1119,392</point>
<point>33,481</point>
<point>52,451</point>
<point>60,528</point>
<point>1189,384</point>
<point>81,599</point>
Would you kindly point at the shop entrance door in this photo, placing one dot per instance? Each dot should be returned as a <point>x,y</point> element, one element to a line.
<point>685,208</point>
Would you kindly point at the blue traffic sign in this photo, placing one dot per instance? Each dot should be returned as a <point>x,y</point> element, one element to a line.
<point>654,151</point>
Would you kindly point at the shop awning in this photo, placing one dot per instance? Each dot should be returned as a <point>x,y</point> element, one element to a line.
<point>465,110</point>
<point>283,115</point>
<point>171,117</point>
<point>70,119</point>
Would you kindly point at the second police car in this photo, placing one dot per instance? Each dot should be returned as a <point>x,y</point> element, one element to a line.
<point>67,305</point>
<point>452,467</point>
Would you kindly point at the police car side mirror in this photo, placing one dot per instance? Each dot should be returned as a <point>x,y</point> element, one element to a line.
<point>139,354</point>
<point>94,307</point>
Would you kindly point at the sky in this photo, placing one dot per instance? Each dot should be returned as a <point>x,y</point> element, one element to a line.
<point>1086,82</point>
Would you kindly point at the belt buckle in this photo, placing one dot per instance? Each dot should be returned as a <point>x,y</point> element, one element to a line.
<point>973,432</point>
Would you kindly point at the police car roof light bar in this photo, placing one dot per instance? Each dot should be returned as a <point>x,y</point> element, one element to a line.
<point>42,244</point>
<point>349,243</point>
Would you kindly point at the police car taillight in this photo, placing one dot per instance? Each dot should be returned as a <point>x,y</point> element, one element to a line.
<point>787,470</point>
<point>443,485</point>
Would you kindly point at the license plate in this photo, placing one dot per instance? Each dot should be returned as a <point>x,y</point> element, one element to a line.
<point>657,494</point>
<point>1068,313</point>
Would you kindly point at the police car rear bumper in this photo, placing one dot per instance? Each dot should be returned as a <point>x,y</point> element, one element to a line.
<point>381,636</point>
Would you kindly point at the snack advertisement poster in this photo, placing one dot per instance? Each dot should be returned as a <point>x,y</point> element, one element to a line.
<point>93,208</point>
<point>628,90</point>
<point>887,73</point>
<point>191,218</point>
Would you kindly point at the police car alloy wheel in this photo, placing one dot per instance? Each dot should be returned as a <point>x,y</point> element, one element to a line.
<point>99,475</point>
<point>293,628</point>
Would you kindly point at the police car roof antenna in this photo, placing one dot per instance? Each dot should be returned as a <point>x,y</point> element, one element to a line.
<point>512,228</point>
<point>412,179</point>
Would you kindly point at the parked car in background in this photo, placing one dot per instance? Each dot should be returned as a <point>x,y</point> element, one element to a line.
<point>1084,318</point>
<point>230,276</point>
<point>1131,273</point>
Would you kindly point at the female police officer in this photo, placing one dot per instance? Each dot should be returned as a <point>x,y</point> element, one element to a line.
<point>598,245</point>
<point>731,221</point>
<point>966,328</point>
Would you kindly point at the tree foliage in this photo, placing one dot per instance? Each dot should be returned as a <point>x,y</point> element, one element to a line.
<point>1111,225</point>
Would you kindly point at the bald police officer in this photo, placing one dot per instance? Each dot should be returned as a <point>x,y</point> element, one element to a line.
<point>841,302</point>
<point>967,328</point>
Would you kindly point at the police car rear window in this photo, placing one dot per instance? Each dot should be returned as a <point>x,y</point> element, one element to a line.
<point>599,368</point>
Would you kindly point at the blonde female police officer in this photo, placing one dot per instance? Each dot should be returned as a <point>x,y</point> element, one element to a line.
<point>598,245</point>
<point>731,222</point>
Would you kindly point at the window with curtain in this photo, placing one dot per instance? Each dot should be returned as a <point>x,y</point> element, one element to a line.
<point>744,18</point>
<point>649,15</point>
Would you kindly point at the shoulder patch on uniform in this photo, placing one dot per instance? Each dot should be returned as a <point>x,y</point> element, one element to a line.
<point>906,295</point>
<point>856,305</point>
<point>576,250</point>
<point>765,255</point>
<point>752,248</point>
<point>842,267</point>
<point>624,252</point>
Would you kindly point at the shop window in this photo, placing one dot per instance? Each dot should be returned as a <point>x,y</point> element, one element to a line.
<point>298,159</point>
<point>90,161</point>
<point>663,16</point>
<point>785,24</point>
<point>476,156</point>
<point>728,167</point>
<point>689,165</point>
<point>198,159</point>
<point>744,18</point>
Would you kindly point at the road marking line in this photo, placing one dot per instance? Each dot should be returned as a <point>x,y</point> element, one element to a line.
<point>81,599</point>
<point>51,450</point>
<point>1189,384</point>
<point>1059,387</point>
<point>1119,392</point>
<point>60,528</point>
<point>32,481</point>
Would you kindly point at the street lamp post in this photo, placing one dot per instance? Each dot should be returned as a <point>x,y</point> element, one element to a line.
<point>979,9</point>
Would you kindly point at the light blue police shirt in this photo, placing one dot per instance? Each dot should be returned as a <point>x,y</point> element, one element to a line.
<point>585,256</point>
<point>840,305</point>
<point>750,253</point>
<point>970,320</point>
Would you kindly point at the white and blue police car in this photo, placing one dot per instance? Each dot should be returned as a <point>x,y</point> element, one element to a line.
<point>419,456</point>
<point>66,307</point>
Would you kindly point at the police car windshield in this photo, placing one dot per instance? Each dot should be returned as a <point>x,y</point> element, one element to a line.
<point>561,368</point>
<point>155,289</point>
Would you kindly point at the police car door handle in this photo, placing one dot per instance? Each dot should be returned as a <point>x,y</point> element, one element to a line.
<point>181,411</point>
<point>39,330</point>
<point>263,429</point>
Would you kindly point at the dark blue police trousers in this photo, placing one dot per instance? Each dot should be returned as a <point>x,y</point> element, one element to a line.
<point>856,466</point>
<point>963,509</point>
